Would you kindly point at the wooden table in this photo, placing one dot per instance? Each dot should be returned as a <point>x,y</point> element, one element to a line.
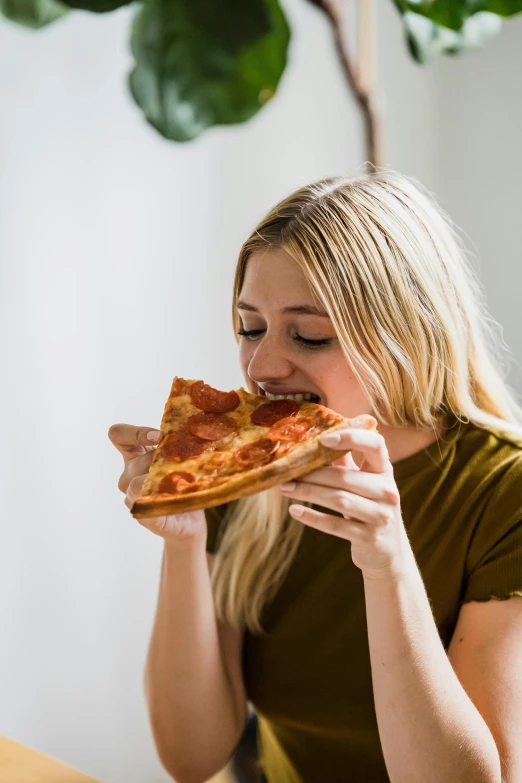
<point>19,764</point>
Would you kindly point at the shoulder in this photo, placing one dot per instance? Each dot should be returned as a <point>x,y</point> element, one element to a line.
<point>490,453</point>
<point>494,474</point>
<point>490,465</point>
<point>501,435</point>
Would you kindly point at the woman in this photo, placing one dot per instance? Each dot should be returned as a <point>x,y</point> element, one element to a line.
<point>352,607</point>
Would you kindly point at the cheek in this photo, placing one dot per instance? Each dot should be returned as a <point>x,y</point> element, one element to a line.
<point>342,377</point>
<point>333,367</point>
<point>337,378</point>
<point>344,392</point>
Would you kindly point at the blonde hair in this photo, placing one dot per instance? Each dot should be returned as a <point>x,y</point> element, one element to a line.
<point>390,269</point>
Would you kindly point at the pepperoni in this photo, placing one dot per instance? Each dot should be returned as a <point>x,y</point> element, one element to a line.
<point>259,451</point>
<point>182,445</point>
<point>211,400</point>
<point>177,481</point>
<point>211,426</point>
<point>292,428</point>
<point>270,412</point>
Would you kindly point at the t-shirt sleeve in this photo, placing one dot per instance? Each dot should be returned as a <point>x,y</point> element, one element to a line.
<point>494,562</point>
<point>215,519</point>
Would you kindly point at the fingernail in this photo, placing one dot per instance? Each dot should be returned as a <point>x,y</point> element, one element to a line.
<point>288,487</point>
<point>296,511</point>
<point>154,435</point>
<point>331,439</point>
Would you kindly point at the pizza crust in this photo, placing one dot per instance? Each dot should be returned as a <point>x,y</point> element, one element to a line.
<point>310,456</point>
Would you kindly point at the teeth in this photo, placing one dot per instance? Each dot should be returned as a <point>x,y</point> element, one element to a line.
<point>306,397</point>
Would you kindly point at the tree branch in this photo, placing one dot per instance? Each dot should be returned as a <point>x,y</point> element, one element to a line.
<point>364,93</point>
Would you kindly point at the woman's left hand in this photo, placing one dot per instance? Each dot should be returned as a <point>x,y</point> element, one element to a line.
<point>367,497</point>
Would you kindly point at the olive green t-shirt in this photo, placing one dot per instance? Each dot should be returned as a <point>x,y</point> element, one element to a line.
<point>309,679</point>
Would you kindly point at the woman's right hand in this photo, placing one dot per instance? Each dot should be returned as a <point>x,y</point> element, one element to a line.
<point>137,451</point>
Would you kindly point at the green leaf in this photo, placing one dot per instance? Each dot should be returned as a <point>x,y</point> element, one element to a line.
<point>232,24</point>
<point>503,7</point>
<point>206,62</point>
<point>455,13</point>
<point>33,13</point>
<point>97,6</point>
<point>427,39</point>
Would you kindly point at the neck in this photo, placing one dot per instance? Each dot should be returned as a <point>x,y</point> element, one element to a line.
<point>402,442</point>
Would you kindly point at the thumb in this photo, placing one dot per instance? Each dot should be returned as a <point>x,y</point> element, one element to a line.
<point>131,440</point>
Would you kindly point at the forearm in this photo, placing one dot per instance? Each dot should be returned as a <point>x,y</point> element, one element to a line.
<point>429,728</point>
<point>191,706</point>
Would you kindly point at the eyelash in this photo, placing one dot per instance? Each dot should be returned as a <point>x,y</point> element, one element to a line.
<point>297,338</point>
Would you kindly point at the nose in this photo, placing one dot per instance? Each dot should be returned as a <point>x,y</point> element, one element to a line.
<point>269,362</point>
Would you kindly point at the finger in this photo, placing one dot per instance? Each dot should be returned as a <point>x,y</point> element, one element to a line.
<point>347,460</point>
<point>171,526</point>
<point>131,440</point>
<point>369,442</point>
<point>349,529</point>
<point>155,524</point>
<point>137,466</point>
<point>375,487</point>
<point>347,504</point>
<point>134,490</point>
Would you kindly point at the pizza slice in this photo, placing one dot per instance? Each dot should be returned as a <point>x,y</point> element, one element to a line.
<point>220,446</point>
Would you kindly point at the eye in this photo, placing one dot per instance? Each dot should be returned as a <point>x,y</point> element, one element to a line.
<point>312,343</point>
<point>252,334</point>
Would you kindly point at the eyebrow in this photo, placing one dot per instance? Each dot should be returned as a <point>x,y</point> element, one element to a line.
<point>294,309</point>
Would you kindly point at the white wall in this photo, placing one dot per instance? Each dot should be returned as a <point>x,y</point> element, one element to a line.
<point>116,258</point>
<point>480,164</point>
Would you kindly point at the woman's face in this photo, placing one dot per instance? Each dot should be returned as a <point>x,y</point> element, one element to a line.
<point>278,308</point>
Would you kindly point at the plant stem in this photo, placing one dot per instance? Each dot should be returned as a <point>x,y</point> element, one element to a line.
<point>360,77</point>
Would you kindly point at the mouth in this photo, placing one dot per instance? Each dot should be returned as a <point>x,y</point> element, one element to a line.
<point>299,397</point>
